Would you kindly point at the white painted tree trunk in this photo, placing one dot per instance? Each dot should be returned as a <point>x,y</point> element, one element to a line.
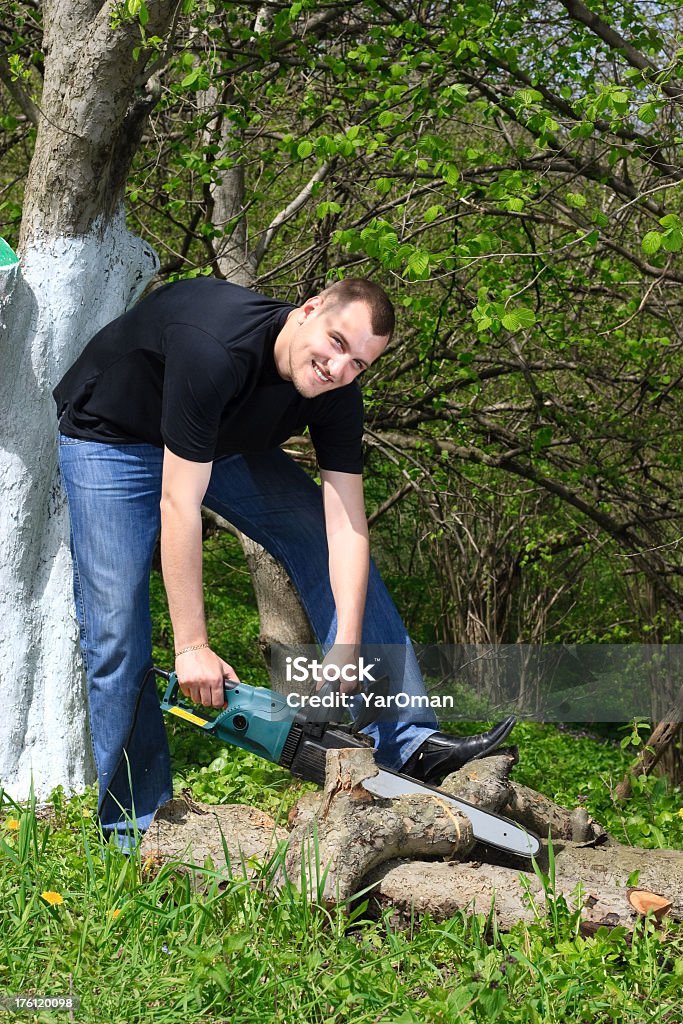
<point>63,291</point>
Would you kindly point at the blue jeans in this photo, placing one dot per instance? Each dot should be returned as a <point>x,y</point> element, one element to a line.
<point>113,493</point>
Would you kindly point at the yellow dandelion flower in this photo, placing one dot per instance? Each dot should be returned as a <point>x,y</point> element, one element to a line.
<point>680,813</point>
<point>53,898</point>
<point>115,913</point>
<point>13,824</point>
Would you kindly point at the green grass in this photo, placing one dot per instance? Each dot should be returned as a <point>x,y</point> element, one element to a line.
<point>142,948</point>
<point>168,948</point>
<point>138,948</point>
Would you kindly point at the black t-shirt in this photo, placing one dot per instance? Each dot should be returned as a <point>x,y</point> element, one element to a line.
<point>191,367</point>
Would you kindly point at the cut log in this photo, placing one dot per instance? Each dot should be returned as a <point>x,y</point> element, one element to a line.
<point>352,830</point>
<point>544,817</point>
<point>612,864</point>
<point>485,783</point>
<point>602,874</point>
<point>189,833</point>
<point>645,902</point>
<point>413,889</point>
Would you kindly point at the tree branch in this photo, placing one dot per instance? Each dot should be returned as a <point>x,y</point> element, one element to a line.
<point>19,95</point>
<point>579,12</point>
<point>289,212</point>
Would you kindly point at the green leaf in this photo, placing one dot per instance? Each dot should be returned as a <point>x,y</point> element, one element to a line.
<point>576,200</point>
<point>672,240</point>
<point>326,208</point>
<point>417,266</point>
<point>518,319</point>
<point>528,97</point>
<point>647,113</point>
<point>432,213</point>
<point>651,243</point>
<point>304,149</point>
<point>450,174</point>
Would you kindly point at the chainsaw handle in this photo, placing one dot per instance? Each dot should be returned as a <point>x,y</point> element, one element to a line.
<point>170,699</point>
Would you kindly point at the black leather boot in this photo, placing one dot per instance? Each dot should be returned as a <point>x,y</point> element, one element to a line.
<point>442,754</point>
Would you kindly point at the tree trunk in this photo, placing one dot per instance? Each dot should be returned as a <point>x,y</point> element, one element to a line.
<point>80,268</point>
<point>282,619</point>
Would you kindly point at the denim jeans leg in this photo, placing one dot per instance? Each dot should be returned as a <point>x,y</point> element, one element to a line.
<point>113,494</point>
<point>272,500</point>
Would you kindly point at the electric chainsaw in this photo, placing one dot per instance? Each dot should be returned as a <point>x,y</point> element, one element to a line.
<point>263,722</point>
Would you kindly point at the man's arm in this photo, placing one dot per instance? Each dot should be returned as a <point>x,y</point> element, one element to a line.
<point>349,556</point>
<point>200,672</point>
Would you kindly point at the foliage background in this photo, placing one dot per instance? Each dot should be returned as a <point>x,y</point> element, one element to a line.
<point>510,171</point>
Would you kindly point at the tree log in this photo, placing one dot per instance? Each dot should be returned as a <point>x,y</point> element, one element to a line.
<point>189,832</point>
<point>353,831</point>
<point>441,890</point>
<point>544,817</point>
<point>487,784</point>
<point>346,840</point>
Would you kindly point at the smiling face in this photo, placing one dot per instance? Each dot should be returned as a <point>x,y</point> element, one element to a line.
<point>325,345</point>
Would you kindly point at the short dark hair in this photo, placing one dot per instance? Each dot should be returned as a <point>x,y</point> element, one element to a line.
<point>358,289</point>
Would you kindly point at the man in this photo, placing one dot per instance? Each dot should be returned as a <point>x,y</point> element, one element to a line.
<point>184,401</point>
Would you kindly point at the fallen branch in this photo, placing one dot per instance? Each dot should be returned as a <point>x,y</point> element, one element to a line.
<point>661,738</point>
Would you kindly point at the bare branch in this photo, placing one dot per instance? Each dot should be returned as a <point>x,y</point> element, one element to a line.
<point>289,211</point>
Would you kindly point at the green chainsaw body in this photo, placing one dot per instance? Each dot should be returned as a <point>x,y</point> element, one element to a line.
<point>263,722</point>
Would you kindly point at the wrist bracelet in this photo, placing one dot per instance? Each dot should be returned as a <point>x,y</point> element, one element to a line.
<point>194,647</point>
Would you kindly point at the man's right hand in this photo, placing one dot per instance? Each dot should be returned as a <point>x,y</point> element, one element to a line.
<point>201,676</point>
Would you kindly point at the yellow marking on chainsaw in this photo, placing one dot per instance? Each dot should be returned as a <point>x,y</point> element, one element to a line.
<point>188,716</point>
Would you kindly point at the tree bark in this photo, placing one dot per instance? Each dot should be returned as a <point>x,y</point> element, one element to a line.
<point>353,831</point>
<point>282,619</point>
<point>79,268</point>
<point>96,99</point>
